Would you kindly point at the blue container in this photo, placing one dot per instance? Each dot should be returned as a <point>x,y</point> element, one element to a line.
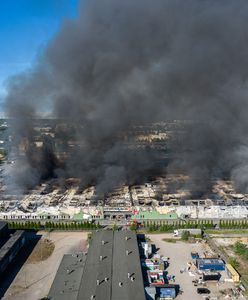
<point>210,264</point>
<point>169,292</point>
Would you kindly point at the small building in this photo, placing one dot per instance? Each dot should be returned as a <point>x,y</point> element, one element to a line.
<point>232,273</point>
<point>156,277</point>
<point>210,264</point>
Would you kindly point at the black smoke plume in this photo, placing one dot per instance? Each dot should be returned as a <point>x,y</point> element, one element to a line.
<point>123,63</point>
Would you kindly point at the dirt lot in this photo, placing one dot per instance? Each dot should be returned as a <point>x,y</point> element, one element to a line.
<point>179,254</point>
<point>34,279</point>
<point>226,245</point>
<point>42,251</point>
<point>230,241</point>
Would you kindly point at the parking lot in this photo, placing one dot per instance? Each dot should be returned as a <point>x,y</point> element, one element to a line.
<point>180,254</point>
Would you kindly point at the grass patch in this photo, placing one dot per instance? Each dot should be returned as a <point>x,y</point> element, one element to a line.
<point>244,280</point>
<point>170,240</point>
<point>147,231</point>
<point>227,231</point>
<point>241,250</point>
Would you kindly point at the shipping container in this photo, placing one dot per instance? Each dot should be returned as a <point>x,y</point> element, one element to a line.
<point>210,264</point>
<point>167,292</point>
<point>210,276</point>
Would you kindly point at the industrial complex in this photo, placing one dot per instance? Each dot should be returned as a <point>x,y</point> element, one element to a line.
<point>164,196</point>
<point>124,150</point>
<point>121,264</point>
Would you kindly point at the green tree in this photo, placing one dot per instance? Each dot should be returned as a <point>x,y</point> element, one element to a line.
<point>185,235</point>
<point>134,226</point>
<point>115,227</point>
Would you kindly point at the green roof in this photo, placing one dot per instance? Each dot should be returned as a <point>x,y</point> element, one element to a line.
<point>155,215</point>
<point>78,216</point>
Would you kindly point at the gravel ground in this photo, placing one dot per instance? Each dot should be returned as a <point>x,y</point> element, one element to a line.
<point>230,241</point>
<point>34,279</point>
<point>179,254</point>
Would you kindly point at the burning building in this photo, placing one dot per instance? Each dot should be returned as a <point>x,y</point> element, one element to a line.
<point>121,66</point>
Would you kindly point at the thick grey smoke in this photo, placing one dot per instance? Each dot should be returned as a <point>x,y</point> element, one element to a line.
<point>123,63</point>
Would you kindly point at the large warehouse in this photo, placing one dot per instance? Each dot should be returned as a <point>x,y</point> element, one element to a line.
<point>10,245</point>
<point>111,270</point>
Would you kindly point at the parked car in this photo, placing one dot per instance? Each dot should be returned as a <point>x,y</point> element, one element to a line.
<point>203,291</point>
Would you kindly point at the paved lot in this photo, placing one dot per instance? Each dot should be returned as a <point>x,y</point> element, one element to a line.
<point>179,254</point>
<point>34,280</point>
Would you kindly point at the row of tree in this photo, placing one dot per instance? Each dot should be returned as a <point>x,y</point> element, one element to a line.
<point>55,225</point>
<point>233,224</point>
<point>165,226</point>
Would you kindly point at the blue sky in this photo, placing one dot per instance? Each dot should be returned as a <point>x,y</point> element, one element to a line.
<point>25,28</point>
